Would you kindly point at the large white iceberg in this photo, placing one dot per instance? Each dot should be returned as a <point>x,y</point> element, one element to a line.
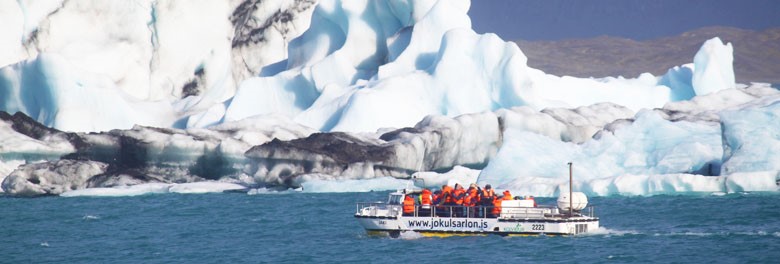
<point>407,77</point>
<point>176,64</point>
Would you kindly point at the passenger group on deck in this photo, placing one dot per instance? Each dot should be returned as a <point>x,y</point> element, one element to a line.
<point>457,202</point>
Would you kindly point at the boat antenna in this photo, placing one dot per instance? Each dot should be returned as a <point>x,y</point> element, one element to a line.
<point>571,186</point>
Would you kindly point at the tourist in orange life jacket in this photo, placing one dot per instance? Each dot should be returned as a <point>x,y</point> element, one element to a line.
<point>408,205</point>
<point>446,191</point>
<point>496,211</point>
<point>470,200</point>
<point>425,200</point>
<point>437,197</point>
<point>507,195</point>
<point>487,195</point>
<point>457,200</point>
<point>444,201</point>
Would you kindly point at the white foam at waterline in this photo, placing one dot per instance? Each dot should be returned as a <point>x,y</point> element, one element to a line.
<point>205,187</point>
<point>149,188</point>
<point>410,235</point>
<point>135,190</point>
<point>367,185</point>
<point>260,191</point>
<point>603,231</point>
<point>91,217</point>
<point>756,233</point>
<point>700,234</point>
<point>706,234</point>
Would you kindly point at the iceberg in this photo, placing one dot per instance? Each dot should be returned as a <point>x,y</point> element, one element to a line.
<point>713,67</point>
<point>330,94</point>
<point>341,73</point>
<point>649,145</point>
<point>677,149</point>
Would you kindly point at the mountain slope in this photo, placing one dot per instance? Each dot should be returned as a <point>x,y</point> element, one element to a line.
<point>756,54</point>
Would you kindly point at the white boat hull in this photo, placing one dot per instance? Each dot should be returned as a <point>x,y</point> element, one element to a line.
<point>443,226</point>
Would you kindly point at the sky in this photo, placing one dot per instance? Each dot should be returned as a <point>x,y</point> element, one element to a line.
<point>634,19</point>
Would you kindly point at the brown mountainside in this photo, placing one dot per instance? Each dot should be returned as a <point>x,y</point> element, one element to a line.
<point>756,54</point>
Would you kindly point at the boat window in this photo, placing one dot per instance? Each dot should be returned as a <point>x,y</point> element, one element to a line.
<point>395,199</point>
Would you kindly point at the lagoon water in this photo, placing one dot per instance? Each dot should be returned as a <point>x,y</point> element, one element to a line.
<point>296,227</point>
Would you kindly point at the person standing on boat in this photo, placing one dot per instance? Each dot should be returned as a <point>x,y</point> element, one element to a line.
<point>470,200</point>
<point>488,195</point>
<point>444,206</point>
<point>486,200</point>
<point>457,200</point>
<point>408,205</point>
<point>425,201</point>
<point>495,212</point>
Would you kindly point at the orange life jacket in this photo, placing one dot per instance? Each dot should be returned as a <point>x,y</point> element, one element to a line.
<point>457,196</point>
<point>471,198</point>
<point>446,191</point>
<point>408,205</point>
<point>497,206</point>
<point>426,199</point>
<point>488,193</point>
<point>487,196</point>
<point>507,195</point>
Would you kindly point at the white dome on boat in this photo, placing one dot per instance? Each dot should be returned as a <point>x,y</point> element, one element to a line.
<point>579,200</point>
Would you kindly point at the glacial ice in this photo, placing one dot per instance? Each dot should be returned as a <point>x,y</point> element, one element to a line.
<point>49,89</point>
<point>169,64</point>
<point>196,91</point>
<point>142,57</point>
<point>652,155</point>
<point>751,138</point>
<point>432,180</point>
<point>51,177</point>
<point>132,156</point>
<point>375,184</point>
<point>650,145</point>
<point>713,70</point>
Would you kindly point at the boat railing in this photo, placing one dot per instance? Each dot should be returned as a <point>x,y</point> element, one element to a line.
<point>589,211</point>
<point>459,211</point>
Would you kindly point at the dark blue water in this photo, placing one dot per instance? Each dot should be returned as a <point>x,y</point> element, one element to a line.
<point>303,227</point>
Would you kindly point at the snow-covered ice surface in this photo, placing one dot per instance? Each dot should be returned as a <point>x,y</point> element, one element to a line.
<point>150,188</point>
<point>458,175</point>
<point>376,184</point>
<point>185,92</point>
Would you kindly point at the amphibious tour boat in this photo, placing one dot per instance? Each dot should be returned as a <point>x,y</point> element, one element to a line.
<point>517,217</point>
